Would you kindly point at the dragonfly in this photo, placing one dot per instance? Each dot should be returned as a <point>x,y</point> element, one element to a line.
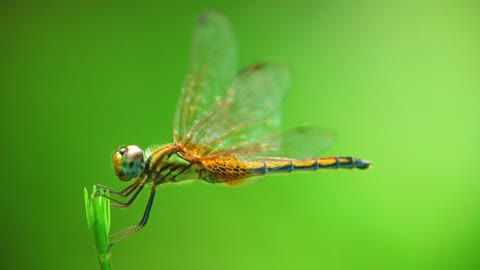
<point>227,128</point>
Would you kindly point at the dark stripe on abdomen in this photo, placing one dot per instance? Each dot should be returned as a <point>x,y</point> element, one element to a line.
<point>261,168</point>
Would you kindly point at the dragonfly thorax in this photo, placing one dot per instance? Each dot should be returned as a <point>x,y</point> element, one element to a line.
<point>168,163</point>
<point>128,162</point>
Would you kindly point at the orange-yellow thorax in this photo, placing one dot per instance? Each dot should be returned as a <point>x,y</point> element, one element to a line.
<point>166,164</point>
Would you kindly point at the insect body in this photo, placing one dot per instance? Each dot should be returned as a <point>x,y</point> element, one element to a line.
<point>226,128</point>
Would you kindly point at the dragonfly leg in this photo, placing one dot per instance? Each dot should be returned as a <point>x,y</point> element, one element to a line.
<point>121,204</point>
<point>132,230</point>
<point>125,192</point>
<point>137,186</point>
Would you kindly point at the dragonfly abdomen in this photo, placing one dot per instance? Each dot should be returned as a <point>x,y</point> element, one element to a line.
<point>261,168</point>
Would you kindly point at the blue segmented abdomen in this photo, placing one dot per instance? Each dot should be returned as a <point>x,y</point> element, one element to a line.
<point>261,168</point>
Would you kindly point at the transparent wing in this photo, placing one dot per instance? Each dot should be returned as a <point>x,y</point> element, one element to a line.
<point>213,66</point>
<point>218,115</point>
<point>248,112</point>
<point>298,143</point>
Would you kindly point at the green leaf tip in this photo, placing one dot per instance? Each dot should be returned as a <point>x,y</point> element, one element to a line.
<point>97,208</point>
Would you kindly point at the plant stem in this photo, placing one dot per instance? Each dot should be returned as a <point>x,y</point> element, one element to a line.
<point>98,219</point>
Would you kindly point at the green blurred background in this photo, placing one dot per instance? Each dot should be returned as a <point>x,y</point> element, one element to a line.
<point>398,82</point>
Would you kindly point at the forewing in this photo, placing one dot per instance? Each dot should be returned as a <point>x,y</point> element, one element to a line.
<point>212,68</point>
<point>248,112</point>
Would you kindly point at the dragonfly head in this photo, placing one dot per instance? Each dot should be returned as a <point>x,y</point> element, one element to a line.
<point>128,162</point>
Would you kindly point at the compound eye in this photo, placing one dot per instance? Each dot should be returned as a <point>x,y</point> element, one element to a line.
<point>131,153</point>
<point>128,162</point>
